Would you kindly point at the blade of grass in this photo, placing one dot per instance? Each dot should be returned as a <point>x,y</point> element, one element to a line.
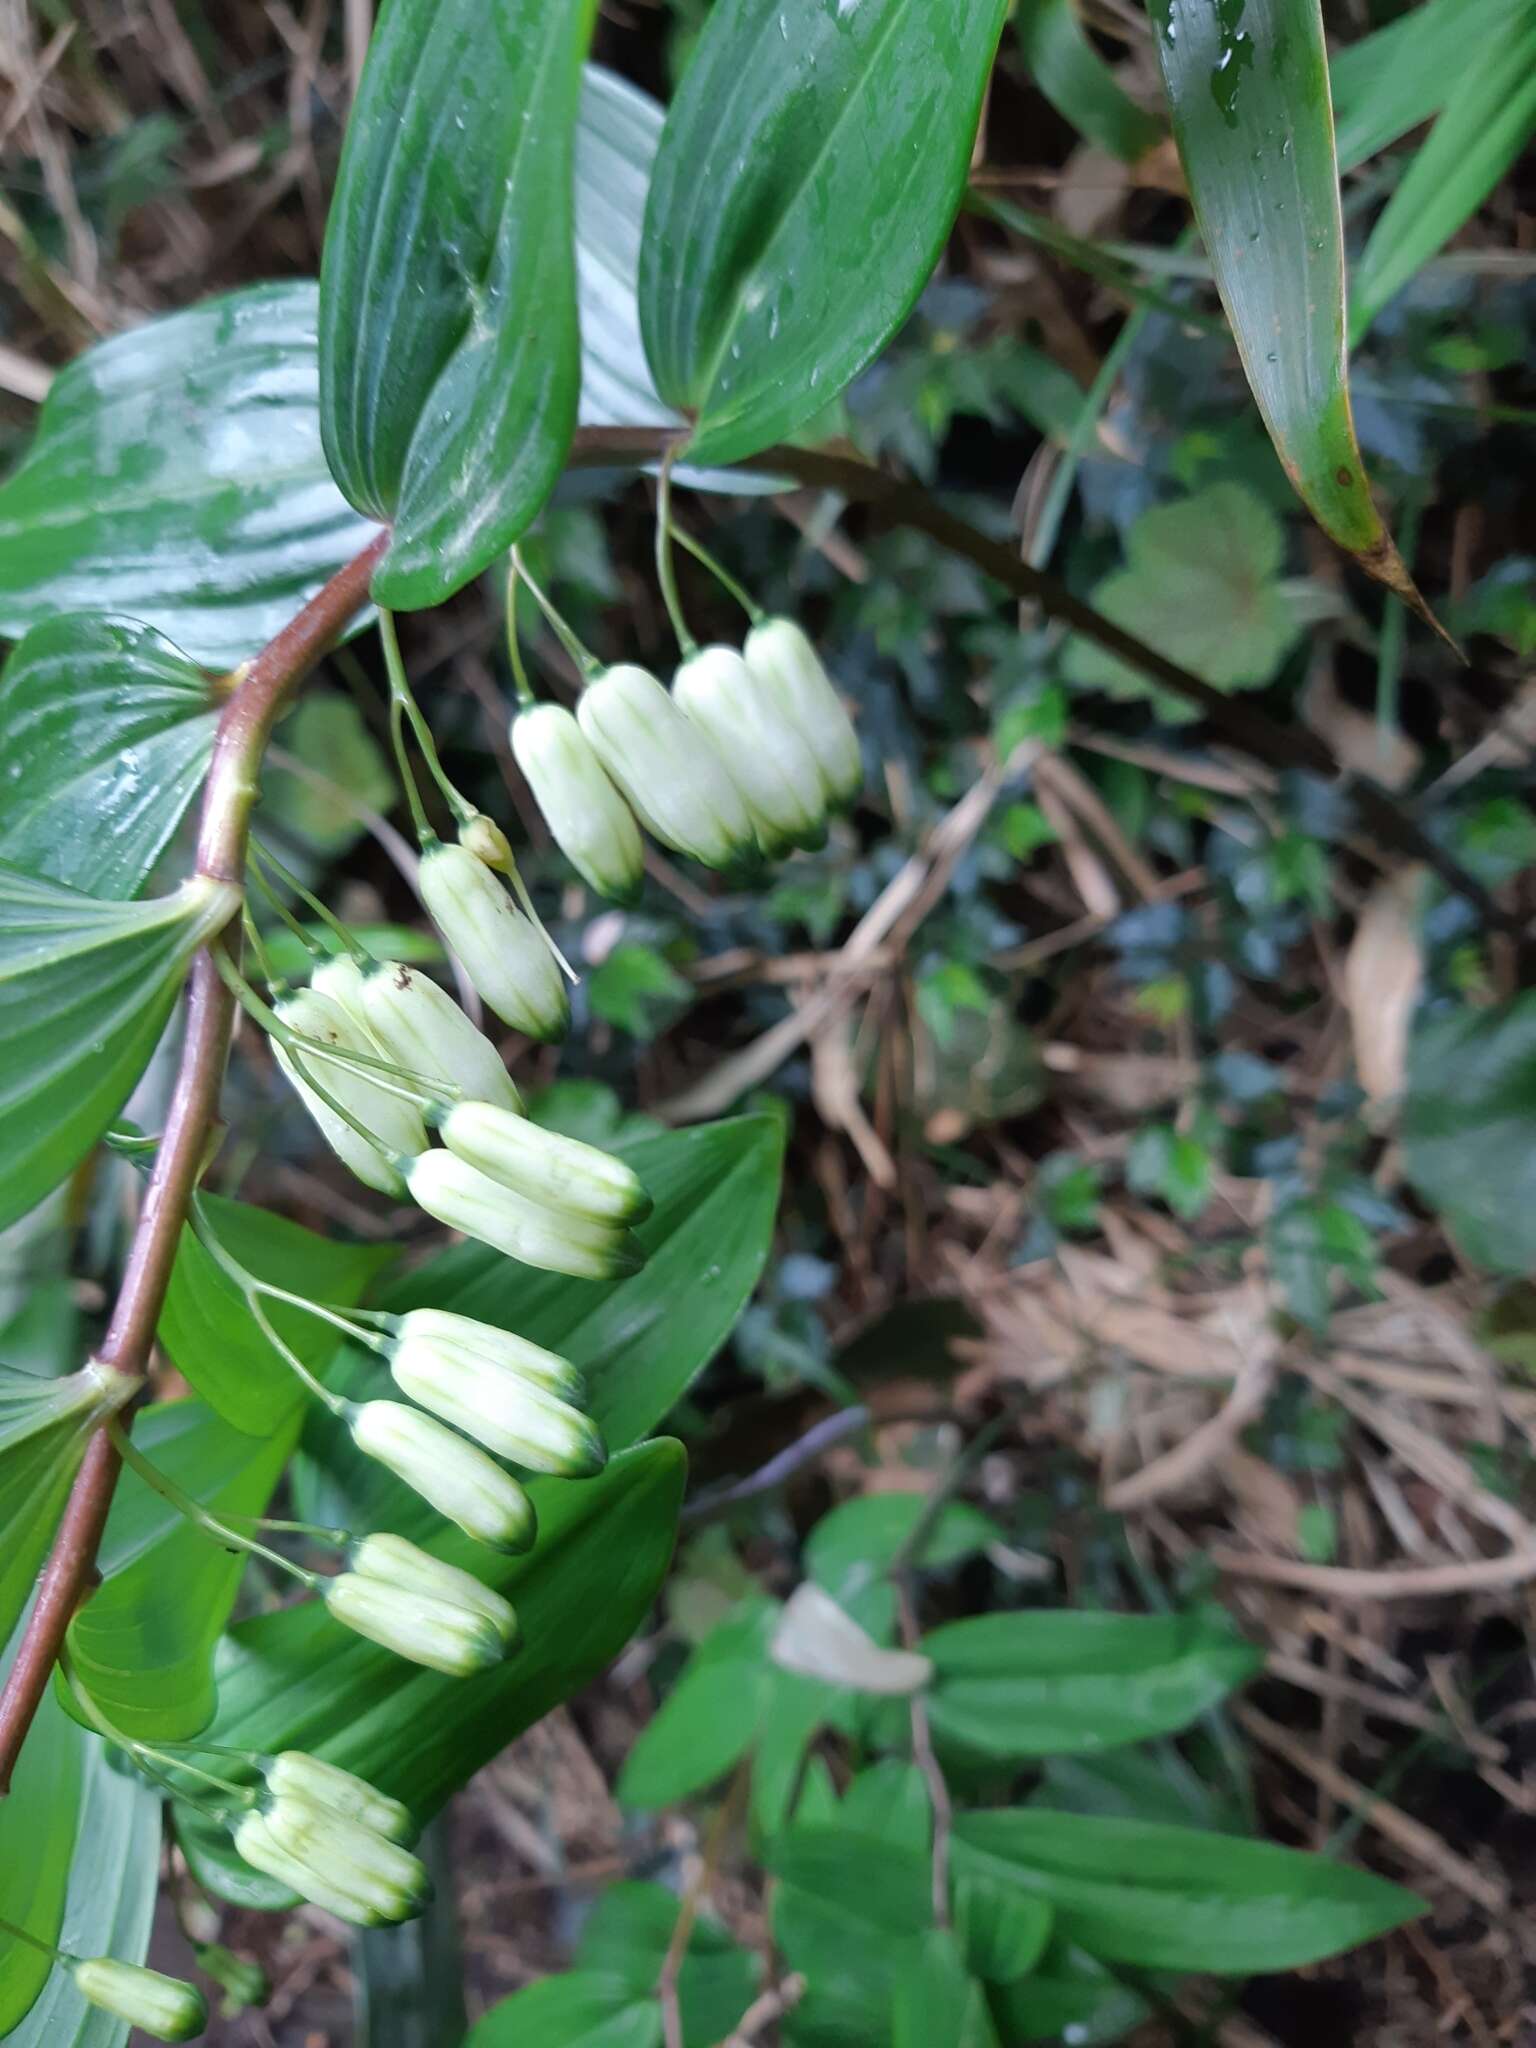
<point>1248,86</point>
<point>1488,119</point>
<point>1400,76</point>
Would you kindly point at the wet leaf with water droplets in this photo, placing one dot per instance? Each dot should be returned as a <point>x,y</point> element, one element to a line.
<point>1247,82</point>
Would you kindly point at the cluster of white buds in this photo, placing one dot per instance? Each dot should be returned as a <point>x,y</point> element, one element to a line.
<point>744,759</point>
<point>335,1840</point>
<point>423,1610</point>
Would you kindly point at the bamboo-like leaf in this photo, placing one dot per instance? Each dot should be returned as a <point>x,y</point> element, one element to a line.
<point>808,175</point>
<point>1400,75</point>
<point>105,732</point>
<point>1078,83</point>
<point>449,356</point>
<point>44,1426</point>
<point>1248,86</point>
<point>1487,121</point>
<point>85,989</point>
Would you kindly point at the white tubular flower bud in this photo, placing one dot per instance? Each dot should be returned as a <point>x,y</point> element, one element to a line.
<point>484,838</point>
<point>162,2006</point>
<point>791,676</point>
<point>459,1481</point>
<point>415,1570</point>
<point>501,1410</point>
<point>593,826</point>
<point>503,953</point>
<point>323,1784</point>
<point>459,1195</point>
<point>350,1859</point>
<point>447,1332</point>
<point>393,1119</point>
<point>763,750</point>
<point>668,769</point>
<point>453,1640</point>
<point>255,1841</point>
<point>341,979</point>
<point>420,1027</point>
<point>543,1165</point>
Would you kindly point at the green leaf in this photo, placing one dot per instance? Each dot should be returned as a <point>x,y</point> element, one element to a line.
<point>890,1800</point>
<point>216,1344</point>
<point>708,1721</point>
<point>328,732</point>
<point>109,1899</point>
<point>627,1936</point>
<point>449,353</point>
<point>143,1644</point>
<point>44,1428</point>
<point>639,1341</point>
<point>845,1912</point>
<point>177,477</point>
<point>1059,1682</point>
<point>38,1824</point>
<point>578,2010</point>
<point>1002,1930</point>
<point>1469,1128</point>
<point>1078,83</point>
<point>297,1679</point>
<point>85,989</point>
<point>852,1548</point>
<point>1067,1997</point>
<point>1200,582</point>
<point>105,733</point>
<point>1168,1162</point>
<point>1248,86</point>
<point>937,2000</point>
<point>1489,114</point>
<point>1398,77</point>
<point>808,175</point>
<point>409,1979</point>
<point>638,989</point>
<point>1170,1898</point>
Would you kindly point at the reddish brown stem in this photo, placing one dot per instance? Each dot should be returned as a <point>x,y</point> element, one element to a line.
<point>228,794</point>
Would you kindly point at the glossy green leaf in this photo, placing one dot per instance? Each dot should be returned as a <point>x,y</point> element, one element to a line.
<point>1487,120</point>
<point>211,1336</point>
<point>936,1998</point>
<point>1399,76</point>
<point>708,1721</point>
<point>641,1341</point>
<point>44,1428</point>
<point>1078,83</point>
<point>1469,1128</point>
<point>1067,1997</point>
<point>808,175</point>
<point>1170,1898</point>
<point>1056,1682</point>
<point>143,1643</point>
<point>578,2010</point>
<point>85,988</point>
<point>297,1679</point>
<point>449,353</point>
<point>39,1820</point>
<point>1248,86</point>
<point>105,733</point>
<point>177,477</point>
<point>109,1900</point>
<point>627,1935</point>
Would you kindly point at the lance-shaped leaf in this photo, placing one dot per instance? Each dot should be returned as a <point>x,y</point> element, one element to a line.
<point>74,1803</point>
<point>105,733</point>
<point>1487,121</point>
<point>808,175</point>
<point>215,1341</point>
<point>1248,86</point>
<point>297,1679</point>
<point>449,361</point>
<point>85,989</point>
<point>44,1425</point>
<point>177,476</point>
<point>1078,83</point>
<point>142,1645</point>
